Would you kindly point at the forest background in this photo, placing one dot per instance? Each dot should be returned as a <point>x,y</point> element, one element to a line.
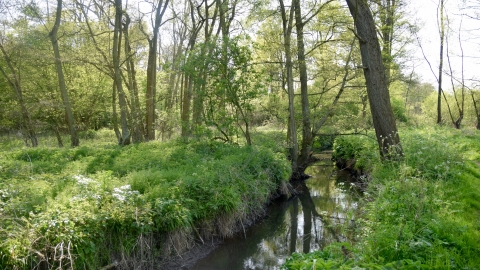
<point>157,70</point>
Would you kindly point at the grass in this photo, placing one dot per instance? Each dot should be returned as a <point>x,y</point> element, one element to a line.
<point>419,213</point>
<point>89,206</point>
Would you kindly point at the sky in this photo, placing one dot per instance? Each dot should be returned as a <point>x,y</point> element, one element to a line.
<point>425,13</point>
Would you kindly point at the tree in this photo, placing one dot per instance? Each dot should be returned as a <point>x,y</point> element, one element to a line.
<point>188,80</point>
<point>307,138</point>
<point>125,135</point>
<point>440,67</point>
<point>61,78</point>
<point>138,129</point>
<point>287,23</point>
<point>374,72</point>
<point>460,104</point>
<point>160,9</point>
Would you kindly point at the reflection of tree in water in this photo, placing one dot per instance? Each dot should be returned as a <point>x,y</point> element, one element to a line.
<point>313,218</point>
<point>309,221</point>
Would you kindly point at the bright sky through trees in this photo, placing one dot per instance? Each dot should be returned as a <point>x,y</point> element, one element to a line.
<point>425,12</point>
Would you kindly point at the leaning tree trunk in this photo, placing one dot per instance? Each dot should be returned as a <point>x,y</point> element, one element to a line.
<point>377,89</point>
<point>61,77</point>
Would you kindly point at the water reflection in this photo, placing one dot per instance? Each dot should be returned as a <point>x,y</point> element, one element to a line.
<point>309,221</point>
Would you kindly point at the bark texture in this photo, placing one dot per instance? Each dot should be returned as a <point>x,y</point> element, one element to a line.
<point>377,87</point>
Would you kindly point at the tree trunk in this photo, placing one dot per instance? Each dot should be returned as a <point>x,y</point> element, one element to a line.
<point>57,135</point>
<point>477,110</point>
<point>137,123</point>
<point>125,134</point>
<point>152,71</point>
<point>201,90</point>
<point>61,78</point>
<point>187,97</point>
<point>287,33</point>
<point>440,67</point>
<point>307,138</point>
<point>374,71</point>
<point>188,79</point>
<point>114,112</point>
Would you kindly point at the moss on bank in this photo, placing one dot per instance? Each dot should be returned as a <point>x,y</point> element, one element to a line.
<point>90,207</point>
<point>420,213</point>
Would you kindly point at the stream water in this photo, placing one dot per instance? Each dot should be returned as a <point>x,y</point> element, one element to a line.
<point>307,222</point>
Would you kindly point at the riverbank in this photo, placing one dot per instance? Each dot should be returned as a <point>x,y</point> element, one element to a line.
<point>103,206</point>
<point>420,212</point>
<point>313,218</point>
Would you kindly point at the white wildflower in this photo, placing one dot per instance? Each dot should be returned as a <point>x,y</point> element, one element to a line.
<point>121,193</point>
<point>119,197</point>
<point>82,180</point>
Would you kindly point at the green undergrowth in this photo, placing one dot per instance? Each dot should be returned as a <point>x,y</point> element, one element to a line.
<point>422,212</point>
<point>86,207</point>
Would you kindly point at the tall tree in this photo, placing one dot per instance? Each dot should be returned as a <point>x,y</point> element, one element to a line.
<point>287,27</point>
<point>374,72</point>
<point>122,101</point>
<point>440,67</point>
<point>307,138</point>
<point>187,78</point>
<point>138,128</point>
<point>209,19</point>
<point>61,78</point>
<point>160,9</point>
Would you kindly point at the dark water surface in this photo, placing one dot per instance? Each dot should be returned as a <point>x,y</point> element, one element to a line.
<point>304,223</point>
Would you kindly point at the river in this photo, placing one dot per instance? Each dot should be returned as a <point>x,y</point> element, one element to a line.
<point>319,213</point>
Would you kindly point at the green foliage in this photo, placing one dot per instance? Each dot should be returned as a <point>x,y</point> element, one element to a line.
<point>418,213</point>
<point>95,202</point>
<point>355,151</point>
<point>399,110</point>
<point>226,83</point>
